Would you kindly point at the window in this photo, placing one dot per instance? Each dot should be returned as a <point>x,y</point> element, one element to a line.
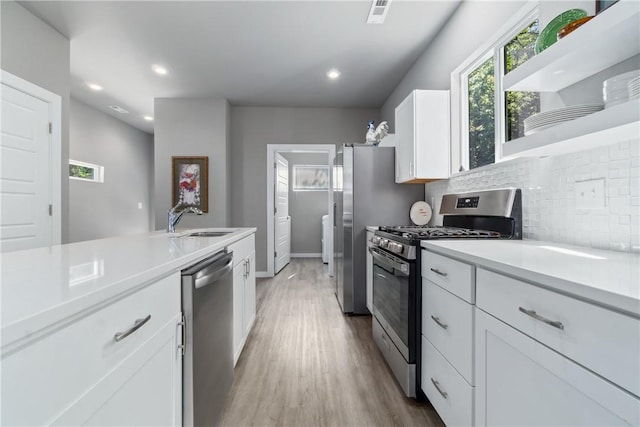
<point>481,105</point>
<point>85,171</point>
<point>519,105</point>
<point>488,115</point>
<point>310,178</point>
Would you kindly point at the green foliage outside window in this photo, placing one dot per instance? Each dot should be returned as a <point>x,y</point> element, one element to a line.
<point>520,105</point>
<point>481,115</point>
<point>481,95</point>
<point>83,172</point>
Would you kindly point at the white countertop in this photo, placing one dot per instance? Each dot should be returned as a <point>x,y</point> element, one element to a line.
<point>46,285</point>
<point>607,278</point>
<point>372,228</point>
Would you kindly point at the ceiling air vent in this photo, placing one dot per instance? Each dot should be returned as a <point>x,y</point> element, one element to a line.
<point>378,11</point>
<point>118,109</point>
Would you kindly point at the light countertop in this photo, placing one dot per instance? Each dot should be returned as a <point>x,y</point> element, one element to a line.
<point>372,228</point>
<point>46,285</point>
<point>607,278</point>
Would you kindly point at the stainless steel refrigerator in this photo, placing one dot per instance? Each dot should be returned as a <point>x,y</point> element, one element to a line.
<point>364,193</point>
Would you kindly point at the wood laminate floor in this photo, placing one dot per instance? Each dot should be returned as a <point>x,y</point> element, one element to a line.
<point>306,364</point>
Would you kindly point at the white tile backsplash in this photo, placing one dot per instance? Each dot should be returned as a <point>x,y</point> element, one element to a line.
<point>549,199</point>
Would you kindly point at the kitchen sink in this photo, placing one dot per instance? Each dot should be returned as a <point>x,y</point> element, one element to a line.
<point>208,234</point>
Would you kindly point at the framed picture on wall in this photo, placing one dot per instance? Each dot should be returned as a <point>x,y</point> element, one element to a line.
<point>190,181</point>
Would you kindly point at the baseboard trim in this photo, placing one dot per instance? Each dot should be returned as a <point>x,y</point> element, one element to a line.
<point>262,274</point>
<point>306,255</point>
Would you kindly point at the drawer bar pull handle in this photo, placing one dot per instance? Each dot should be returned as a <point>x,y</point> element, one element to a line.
<point>439,322</point>
<point>536,316</point>
<point>137,325</point>
<point>436,384</point>
<point>438,272</point>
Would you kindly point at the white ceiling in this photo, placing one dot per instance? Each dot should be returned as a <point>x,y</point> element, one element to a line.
<point>265,53</point>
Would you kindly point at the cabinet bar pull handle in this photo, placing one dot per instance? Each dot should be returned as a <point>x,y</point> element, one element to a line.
<point>536,316</point>
<point>437,320</point>
<point>137,325</point>
<point>436,384</point>
<point>435,270</point>
<point>183,324</point>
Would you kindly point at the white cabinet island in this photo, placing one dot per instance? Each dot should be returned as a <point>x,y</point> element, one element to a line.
<point>91,331</point>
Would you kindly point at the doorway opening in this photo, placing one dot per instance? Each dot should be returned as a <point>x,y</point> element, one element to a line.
<point>279,224</point>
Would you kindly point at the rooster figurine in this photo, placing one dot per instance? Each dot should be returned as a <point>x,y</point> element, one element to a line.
<point>374,136</point>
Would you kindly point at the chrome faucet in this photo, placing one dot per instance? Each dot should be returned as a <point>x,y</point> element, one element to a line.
<point>174,216</point>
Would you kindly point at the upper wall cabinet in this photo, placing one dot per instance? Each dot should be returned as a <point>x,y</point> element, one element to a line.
<point>422,137</point>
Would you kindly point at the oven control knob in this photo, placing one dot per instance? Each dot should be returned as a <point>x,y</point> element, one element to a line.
<point>384,243</point>
<point>397,248</point>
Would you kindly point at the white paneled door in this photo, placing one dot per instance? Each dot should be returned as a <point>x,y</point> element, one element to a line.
<point>282,218</point>
<point>26,173</point>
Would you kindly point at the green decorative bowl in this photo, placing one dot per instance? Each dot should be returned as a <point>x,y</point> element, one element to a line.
<point>549,35</point>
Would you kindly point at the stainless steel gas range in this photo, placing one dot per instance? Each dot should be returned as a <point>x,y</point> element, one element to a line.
<point>397,290</point>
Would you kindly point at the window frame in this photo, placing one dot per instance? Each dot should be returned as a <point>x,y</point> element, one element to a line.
<point>459,89</point>
<point>98,171</point>
<point>296,187</point>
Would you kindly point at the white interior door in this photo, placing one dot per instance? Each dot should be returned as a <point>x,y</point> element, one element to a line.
<point>26,172</point>
<point>282,219</point>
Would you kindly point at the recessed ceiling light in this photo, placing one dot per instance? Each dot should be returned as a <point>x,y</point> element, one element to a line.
<point>94,86</point>
<point>333,74</point>
<point>148,118</point>
<point>159,69</point>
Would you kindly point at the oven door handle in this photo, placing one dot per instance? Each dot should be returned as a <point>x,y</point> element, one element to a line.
<point>400,266</point>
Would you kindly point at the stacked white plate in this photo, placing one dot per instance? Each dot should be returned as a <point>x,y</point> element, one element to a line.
<point>548,119</point>
<point>616,89</point>
<point>634,88</point>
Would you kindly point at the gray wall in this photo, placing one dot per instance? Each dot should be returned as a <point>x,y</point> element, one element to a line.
<point>98,210</point>
<point>192,127</point>
<point>252,128</point>
<point>469,27</point>
<point>306,208</point>
<point>35,52</point>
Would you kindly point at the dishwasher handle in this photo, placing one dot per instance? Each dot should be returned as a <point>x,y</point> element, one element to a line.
<point>211,269</point>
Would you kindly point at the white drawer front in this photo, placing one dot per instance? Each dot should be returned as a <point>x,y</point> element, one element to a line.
<point>242,248</point>
<point>602,340</point>
<point>447,322</point>
<point>41,379</point>
<point>447,391</point>
<point>455,276</point>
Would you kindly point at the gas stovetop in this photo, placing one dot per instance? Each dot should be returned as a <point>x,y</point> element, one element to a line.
<point>427,233</point>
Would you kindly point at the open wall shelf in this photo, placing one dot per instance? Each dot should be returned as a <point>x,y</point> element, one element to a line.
<point>606,40</point>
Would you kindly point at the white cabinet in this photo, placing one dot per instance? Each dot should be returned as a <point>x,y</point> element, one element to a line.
<point>602,340</point>
<point>422,137</point>
<point>244,292</point>
<point>448,291</point>
<point>369,273</point>
<point>78,374</point>
<point>536,348</point>
<point>144,390</point>
<point>520,382</point>
<point>445,388</point>
<point>524,354</point>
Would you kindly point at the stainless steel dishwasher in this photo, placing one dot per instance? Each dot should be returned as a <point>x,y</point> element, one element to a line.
<point>207,304</point>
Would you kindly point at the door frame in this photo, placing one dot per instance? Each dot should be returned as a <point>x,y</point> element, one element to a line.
<point>330,151</point>
<point>55,144</point>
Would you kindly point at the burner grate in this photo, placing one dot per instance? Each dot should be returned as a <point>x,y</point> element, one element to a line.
<point>440,232</point>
